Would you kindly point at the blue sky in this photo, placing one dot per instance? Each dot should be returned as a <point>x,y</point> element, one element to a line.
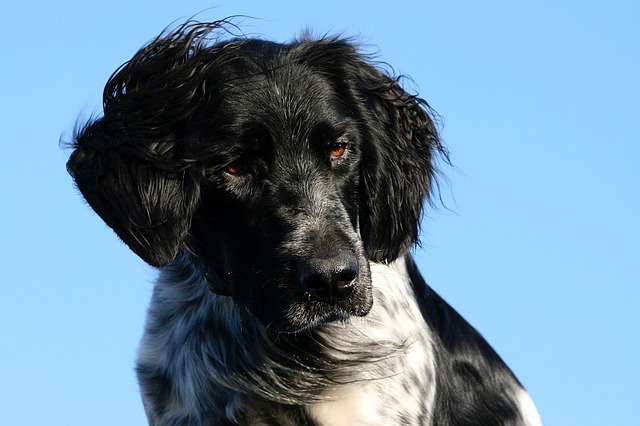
<point>538,247</point>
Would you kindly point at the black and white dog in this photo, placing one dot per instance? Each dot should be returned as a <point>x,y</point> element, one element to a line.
<point>279,188</point>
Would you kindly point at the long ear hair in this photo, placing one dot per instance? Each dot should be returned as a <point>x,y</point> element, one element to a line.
<point>149,209</point>
<point>399,167</point>
<point>400,150</point>
<point>137,166</point>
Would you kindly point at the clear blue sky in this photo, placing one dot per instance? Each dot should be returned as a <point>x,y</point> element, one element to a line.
<point>539,250</point>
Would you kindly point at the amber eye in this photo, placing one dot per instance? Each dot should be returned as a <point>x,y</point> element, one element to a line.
<point>337,151</point>
<point>235,168</point>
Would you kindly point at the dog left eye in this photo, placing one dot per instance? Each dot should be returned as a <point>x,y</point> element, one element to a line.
<point>337,151</point>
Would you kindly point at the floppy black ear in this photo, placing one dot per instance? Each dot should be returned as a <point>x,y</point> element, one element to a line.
<point>398,169</point>
<point>400,147</point>
<point>148,208</point>
<point>136,166</point>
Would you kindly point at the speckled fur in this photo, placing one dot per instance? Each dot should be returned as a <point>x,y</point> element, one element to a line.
<point>232,369</point>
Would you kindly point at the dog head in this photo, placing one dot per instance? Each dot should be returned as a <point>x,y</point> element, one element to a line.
<point>279,170</point>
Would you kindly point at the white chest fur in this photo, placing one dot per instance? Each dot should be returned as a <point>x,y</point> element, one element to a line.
<point>405,379</point>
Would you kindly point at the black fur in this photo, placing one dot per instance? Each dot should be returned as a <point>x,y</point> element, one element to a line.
<point>272,183</point>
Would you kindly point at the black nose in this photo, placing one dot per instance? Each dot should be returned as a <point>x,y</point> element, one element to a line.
<point>330,279</point>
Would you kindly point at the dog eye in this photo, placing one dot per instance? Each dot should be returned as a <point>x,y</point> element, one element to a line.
<point>235,168</point>
<point>337,151</point>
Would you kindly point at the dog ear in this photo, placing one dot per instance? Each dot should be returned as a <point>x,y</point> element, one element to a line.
<point>400,147</point>
<point>136,166</point>
<point>398,168</point>
<point>150,209</point>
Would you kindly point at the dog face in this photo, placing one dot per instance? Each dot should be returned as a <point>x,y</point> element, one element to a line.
<point>277,225</point>
<point>280,170</point>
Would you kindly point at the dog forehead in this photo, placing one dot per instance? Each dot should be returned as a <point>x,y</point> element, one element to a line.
<point>289,101</point>
<point>291,91</point>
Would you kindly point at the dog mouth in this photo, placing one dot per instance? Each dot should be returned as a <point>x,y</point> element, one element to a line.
<point>312,313</point>
<point>310,291</point>
<point>328,290</point>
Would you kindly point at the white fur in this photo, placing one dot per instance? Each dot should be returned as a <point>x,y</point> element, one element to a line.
<point>349,405</point>
<point>528,410</point>
<point>395,317</point>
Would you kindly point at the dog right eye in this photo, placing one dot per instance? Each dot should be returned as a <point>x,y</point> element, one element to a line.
<point>237,167</point>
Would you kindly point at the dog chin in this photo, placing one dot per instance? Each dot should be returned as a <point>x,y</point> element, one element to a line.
<point>307,317</point>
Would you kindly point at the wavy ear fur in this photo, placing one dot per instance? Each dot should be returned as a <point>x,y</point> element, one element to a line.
<point>400,147</point>
<point>399,164</point>
<point>149,209</point>
<point>130,165</point>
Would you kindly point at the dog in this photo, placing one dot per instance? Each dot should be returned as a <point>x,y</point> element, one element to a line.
<point>279,189</point>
